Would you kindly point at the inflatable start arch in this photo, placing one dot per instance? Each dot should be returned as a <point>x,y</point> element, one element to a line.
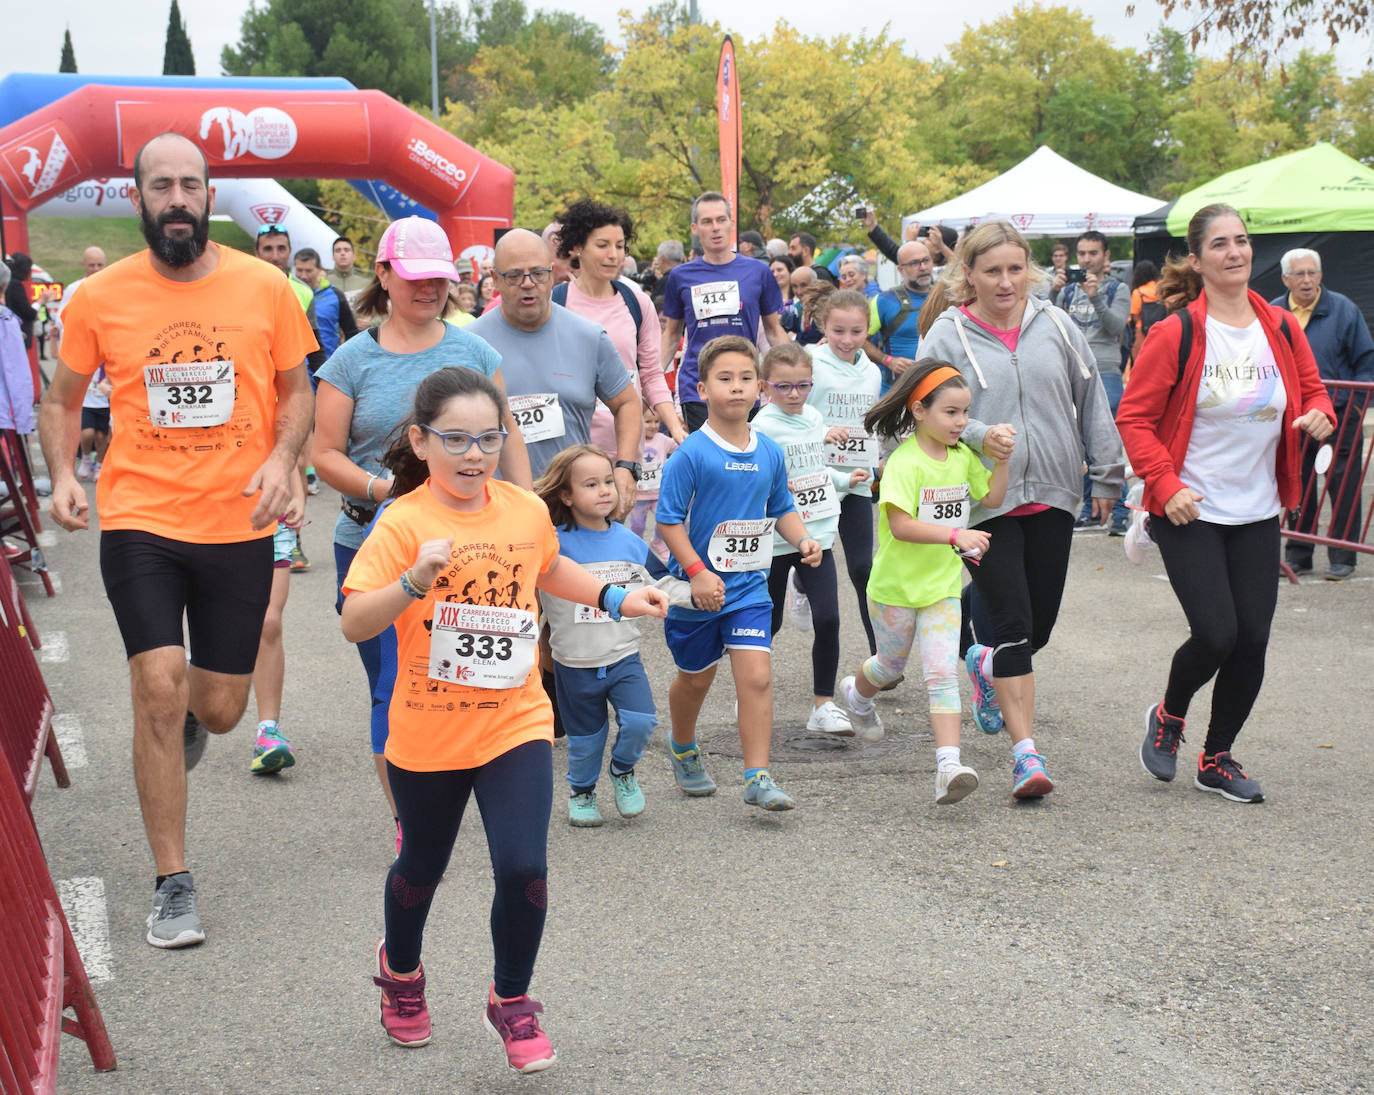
<point>94,132</point>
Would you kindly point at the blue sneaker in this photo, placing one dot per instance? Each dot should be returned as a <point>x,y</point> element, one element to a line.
<point>762,791</point>
<point>986,713</point>
<point>629,799</point>
<point>1029,778</point>
<point>690,773</point>
<point>582,811</point>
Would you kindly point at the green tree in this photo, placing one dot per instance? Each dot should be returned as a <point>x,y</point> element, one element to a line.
<point>374,43</point>
<point>68,62</point>
<point>1045,76</point>
<point>1309,90</point>
<point>177,58</point>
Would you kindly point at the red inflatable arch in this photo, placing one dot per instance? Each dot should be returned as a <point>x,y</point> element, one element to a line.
<point>95,131</point>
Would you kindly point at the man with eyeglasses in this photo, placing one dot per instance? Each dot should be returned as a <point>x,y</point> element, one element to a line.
<point>1340,341</point>
<point>893,335</point>
<point>205,350</point>
<point>556,364</point>
<point>721,293</point>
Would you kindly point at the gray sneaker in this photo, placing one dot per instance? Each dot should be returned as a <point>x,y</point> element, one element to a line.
<point>1159,750</point>
<point>868,726</point>
<point>174,921</point>
<point>690,773</point>
<point>195,736</point>
<point>762,791</point>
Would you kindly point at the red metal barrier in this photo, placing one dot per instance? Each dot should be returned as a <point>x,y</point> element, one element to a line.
<point>1332,503</point>
<point>19,508</point>
<point>41,973</point>
<point>26,714</point>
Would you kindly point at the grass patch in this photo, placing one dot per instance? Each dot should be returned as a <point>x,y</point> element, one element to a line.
<point>56,243</point>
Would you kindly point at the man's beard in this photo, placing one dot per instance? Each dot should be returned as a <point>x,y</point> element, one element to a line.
<point>917,287</point>
<point>176,252</point>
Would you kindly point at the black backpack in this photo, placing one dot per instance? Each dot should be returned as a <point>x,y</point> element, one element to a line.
<point>1185,340</point>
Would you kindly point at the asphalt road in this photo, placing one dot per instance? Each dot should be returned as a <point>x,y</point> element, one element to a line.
<point>1123,935</point>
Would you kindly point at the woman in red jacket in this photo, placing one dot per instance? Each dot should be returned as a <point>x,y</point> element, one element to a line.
<point>1210,421</point>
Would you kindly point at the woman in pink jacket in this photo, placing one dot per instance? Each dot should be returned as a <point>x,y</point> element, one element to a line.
<point>1211,419</point>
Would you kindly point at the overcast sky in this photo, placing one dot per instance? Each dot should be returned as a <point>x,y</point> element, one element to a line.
<point>111,39</point>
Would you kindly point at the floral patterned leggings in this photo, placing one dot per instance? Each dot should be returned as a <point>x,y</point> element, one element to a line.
<point>937,628</point>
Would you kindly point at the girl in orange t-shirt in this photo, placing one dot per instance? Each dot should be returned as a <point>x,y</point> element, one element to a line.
<point>468,713</point>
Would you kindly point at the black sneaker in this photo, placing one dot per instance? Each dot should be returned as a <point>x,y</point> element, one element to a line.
<point>195,737</point>
<point>1159,750</point>
<point>1222,774</point>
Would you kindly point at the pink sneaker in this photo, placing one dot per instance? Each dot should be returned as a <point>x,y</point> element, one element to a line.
<point>515,1022</point>
<point>405,1017</point>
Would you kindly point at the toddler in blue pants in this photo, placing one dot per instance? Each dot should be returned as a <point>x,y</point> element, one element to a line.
<point>596,658</point>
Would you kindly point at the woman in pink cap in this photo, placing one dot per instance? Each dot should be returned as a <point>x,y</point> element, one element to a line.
<point>364,390</point>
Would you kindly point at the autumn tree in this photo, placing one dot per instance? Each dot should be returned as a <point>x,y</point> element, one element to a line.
<point>1257,30</point>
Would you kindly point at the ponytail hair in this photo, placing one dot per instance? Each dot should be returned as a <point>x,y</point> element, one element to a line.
<point>407,469</point>
<point>1179,284</point>
<point>938,301</point>
<point>892,417</point>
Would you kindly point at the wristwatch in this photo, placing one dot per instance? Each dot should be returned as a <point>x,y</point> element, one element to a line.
<point>630,466</point>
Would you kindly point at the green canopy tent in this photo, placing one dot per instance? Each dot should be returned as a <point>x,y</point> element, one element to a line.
<point>1318,198</point>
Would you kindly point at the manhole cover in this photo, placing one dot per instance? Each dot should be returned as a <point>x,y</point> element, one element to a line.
<point>802,746</point>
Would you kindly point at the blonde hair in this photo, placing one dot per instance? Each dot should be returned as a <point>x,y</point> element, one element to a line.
<point>557,478</point>
<point>978,242</point>
<point>785,353</point>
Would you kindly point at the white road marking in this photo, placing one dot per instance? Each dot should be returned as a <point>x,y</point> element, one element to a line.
<point>71,740</point>
<point>83,900</point>
<point>47,538</point>
<point>54,647</point>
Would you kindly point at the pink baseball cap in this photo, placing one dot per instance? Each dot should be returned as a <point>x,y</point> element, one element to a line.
<point>417,249</point>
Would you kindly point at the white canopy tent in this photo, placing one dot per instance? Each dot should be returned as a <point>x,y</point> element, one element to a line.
<point>1044,195</point>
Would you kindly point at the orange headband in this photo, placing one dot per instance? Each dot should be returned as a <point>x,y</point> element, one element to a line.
<point>933,380</point>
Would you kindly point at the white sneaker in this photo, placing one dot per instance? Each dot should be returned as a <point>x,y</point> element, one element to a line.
<point>83,466</point>
<point>953,782</point>
<point>869,727</point>
<point>829,719</point>
<point>798,607</point>
<point>1137,539</point>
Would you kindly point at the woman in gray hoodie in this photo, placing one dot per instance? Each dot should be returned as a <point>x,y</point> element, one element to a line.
<point>1028,366</point>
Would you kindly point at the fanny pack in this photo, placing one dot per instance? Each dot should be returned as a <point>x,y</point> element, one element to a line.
<point>359,515</point>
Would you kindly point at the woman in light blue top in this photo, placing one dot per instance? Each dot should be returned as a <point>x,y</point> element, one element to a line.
<point>365,390</point>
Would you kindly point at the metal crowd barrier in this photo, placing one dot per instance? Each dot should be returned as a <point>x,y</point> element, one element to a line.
<point>41,973</point>
<point>1334,511</point>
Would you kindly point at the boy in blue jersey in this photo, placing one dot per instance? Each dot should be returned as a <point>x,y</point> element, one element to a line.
<point>724,492</point>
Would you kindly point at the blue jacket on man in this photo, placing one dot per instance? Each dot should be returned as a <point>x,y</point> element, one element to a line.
<point>1340,340</point>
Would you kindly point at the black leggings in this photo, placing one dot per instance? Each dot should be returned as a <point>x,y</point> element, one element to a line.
<point>856,535</point>
<point>1226,580</point>
<point>1018,586</point>
<point>820,585</point>
<point>514,794</point>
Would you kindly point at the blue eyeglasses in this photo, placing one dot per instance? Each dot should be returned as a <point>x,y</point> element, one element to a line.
<point>456,442</point>
<point>803,387</point>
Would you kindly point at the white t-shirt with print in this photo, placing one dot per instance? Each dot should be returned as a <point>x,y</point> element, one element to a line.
<point>1234,444</point>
